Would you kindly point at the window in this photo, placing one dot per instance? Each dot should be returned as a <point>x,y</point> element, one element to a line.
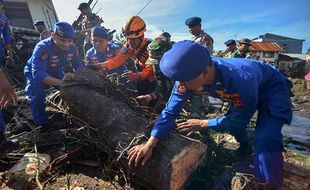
<point>18,14</point>
<point>268,54</point>
<point>285,48</point>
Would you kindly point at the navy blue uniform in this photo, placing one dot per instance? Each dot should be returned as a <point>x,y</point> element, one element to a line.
<point>5,32</point>
<point>45,61</point>
<point>249,85</point>
<point>93,57</point>
<point>2,128</point>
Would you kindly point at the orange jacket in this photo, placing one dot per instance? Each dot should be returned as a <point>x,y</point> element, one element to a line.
<point>139,55</point>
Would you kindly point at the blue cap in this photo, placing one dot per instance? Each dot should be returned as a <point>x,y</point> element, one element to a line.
<point>39,22</point>
<point>64,29</point>
<point>185,61</point>
<point>100,32</point>
<point>193,21</point>
<point>230,42</point>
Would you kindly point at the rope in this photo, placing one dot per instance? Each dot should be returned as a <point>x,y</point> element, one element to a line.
<point>144,7</point>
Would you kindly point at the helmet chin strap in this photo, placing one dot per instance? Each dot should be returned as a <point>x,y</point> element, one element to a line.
<point>140,39</point>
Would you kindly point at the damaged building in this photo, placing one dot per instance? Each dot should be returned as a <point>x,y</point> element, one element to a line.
<point>21,15</point>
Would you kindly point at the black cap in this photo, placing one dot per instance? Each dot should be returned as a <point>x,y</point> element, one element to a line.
<point>230,42</point>
<point>83,6</point>
<point>39,22</point>
<point>193,21</point>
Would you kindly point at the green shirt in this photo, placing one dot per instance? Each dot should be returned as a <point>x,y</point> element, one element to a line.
<point>238,54</point>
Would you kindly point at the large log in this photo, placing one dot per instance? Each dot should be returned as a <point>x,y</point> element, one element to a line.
<point>118,122</point>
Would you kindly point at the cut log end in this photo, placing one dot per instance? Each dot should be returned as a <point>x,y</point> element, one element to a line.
<point>185,163</point>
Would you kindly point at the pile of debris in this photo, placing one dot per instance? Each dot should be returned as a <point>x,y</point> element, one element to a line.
<point>301,97</point>
<point>114,123</point>
<point>93,122</point>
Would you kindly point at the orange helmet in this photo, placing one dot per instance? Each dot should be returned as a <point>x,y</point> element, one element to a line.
<point>134,27</point>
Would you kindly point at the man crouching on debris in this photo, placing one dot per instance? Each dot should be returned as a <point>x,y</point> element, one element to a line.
<point>249,85</point>
<point>46,67</point>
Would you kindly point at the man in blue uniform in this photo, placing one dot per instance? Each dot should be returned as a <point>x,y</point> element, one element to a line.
<point>46,67</point>
<point>5,32</point>
<point>249,85</point>
<point>102,50</point>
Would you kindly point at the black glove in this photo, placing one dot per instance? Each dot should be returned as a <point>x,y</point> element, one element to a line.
<point>94,67</point>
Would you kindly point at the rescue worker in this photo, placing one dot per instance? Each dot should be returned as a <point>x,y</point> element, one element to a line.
<point>40,27</point>
<point>46,67</point>
<point>167,37</point>
<point>89,21</point>
<point>102,50</point>
<point>231,47</point>
<point>163,85</point>
<point>242,48</point>
<point>5,44</point>
<point>136,49</point>
<point>249,85</point>
<point>199,36</point>
<point>7,95</point>
<point>199,104</point>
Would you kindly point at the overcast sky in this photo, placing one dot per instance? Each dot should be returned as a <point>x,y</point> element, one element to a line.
<point>222,19</point>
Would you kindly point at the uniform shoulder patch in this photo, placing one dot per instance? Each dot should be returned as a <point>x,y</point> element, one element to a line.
<point>235,99</point>
<point>44,55</point>
<point>181,88</point>
<point>206,40</point>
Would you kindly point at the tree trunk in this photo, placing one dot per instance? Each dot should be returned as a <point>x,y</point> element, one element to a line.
<point>119,121</point>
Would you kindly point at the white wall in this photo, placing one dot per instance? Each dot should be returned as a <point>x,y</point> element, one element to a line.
<point>270,60</point>
<point>41,10</point>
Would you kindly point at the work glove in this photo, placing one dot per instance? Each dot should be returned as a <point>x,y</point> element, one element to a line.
<point>130,76</point>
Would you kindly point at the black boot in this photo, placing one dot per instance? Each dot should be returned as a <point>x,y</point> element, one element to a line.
<point>43,128</point>
<point>245,149</point>
<point>6,145</point>
<point>2,137</point>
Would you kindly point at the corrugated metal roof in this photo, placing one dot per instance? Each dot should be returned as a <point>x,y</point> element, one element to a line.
<point>265,47</point>
<point>299,56</point>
